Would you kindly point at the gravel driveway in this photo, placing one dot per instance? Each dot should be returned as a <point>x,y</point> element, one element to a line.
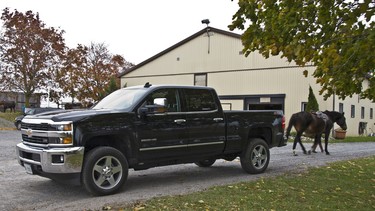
<point>20,191</point>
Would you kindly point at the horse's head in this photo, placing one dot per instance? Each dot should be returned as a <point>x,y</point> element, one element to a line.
<point>337,118</point>
<point>341,121</point>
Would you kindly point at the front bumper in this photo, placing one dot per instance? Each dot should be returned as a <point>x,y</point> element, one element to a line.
<point>53,160</point>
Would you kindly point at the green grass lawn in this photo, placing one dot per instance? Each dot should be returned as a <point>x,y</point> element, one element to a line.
<point>7,120</point>
<point>9,116</point>
<point>354,139</point>
<point>347,139</point>
<point>346,185</point>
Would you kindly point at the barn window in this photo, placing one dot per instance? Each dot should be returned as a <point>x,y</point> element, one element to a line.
<point>352,111</point>
<point>341,107</point>
<point>200,79</point>
<point>362,112</point>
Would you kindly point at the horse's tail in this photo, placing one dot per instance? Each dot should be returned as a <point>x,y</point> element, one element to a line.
<point>292,121</point>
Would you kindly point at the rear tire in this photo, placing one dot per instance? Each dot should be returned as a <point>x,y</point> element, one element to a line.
<point>105,170</point>
<point>255,157</point>
<point>205,163</point>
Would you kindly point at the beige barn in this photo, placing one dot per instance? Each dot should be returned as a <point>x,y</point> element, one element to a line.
<point>213,57</point>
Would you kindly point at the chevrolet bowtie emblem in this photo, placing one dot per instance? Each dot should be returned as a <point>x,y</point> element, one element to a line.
<point>29,133</point>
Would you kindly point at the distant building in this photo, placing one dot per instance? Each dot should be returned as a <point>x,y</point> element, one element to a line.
<point>213,57</point>
<point>19,99</point>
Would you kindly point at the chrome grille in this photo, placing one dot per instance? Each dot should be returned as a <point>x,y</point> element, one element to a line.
<point>43,126</point>
<point>38,140</point>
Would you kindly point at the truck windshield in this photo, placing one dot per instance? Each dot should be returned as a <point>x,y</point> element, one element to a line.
<point>121,99</point>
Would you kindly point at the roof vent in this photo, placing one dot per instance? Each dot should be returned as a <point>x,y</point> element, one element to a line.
<point>147,85</point>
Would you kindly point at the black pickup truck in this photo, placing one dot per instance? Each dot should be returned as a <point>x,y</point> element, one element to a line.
<point>142,127</point>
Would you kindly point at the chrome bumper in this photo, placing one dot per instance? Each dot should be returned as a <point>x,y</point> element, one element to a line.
<point>56,160</point>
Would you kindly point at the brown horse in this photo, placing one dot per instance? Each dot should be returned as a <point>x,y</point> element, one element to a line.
<point>8,104</point>
<point>314,125</point>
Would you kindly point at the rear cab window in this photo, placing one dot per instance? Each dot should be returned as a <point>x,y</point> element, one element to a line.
<point>199,100</point>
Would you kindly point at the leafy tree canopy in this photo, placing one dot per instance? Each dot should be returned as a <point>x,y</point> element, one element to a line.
<point>30,52</point>
<point>337,36</point>
<point>88,72</point>
<point>70,75</point>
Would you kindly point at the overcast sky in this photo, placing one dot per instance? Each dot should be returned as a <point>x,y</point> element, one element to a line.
<point>135,29</point>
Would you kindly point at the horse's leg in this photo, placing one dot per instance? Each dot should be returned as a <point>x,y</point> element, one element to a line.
<point>297,139</point>
<point>317,142</point>
<point>313,147</point>
<point>299,134</point>
<point>326,137</point>
<point>320,142</point>
<point>326,144</point>
<point>294,145</point>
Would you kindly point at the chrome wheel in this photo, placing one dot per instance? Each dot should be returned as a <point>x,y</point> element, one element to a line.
<point>107,172</point>
<point>259,157</point>
<point>255,157</point>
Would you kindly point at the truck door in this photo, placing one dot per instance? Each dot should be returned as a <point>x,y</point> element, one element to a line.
<point>205,122</point>
<point>162,129</point>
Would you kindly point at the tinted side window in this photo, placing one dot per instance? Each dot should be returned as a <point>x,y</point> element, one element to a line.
<point>199,100</point>
<point>170,96</point>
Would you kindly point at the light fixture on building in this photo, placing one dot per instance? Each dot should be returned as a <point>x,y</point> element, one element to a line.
<point>206,21</point>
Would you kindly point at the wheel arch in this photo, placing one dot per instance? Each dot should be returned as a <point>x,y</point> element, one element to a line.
<point>262,132</point>
<point>121,143</point>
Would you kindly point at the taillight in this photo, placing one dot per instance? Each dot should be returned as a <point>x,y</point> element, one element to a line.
<point>283,122</point>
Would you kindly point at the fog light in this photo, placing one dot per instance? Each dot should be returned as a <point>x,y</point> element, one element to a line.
<point>57,158</point>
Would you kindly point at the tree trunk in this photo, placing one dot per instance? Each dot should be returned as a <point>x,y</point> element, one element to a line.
<point>27,100</point>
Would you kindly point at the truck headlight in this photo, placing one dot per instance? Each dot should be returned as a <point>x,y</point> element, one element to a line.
<point>64,127</point>
<point>63,133</point>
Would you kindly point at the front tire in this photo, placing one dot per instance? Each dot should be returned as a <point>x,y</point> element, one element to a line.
<point>205,163</point>
<point>18,125</point>
<point>105,170</point>
<point>255,157</point>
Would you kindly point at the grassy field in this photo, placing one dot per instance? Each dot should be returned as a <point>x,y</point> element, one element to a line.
<point>347,185</point>
<point>7,120</point>
<point>354,139</point>
<point>347,139</point>
<point>9,116</point>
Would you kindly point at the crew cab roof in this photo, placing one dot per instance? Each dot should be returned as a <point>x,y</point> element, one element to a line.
<point>152,87</point>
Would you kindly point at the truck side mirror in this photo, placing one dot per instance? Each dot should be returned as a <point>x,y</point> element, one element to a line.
<point>142,112</point>
<point>146,110</point>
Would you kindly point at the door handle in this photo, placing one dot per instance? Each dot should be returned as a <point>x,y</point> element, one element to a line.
<point>218,119</point>
<point>180,121</point>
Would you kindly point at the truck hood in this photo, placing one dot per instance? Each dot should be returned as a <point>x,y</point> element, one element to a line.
<point>70,115</point>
